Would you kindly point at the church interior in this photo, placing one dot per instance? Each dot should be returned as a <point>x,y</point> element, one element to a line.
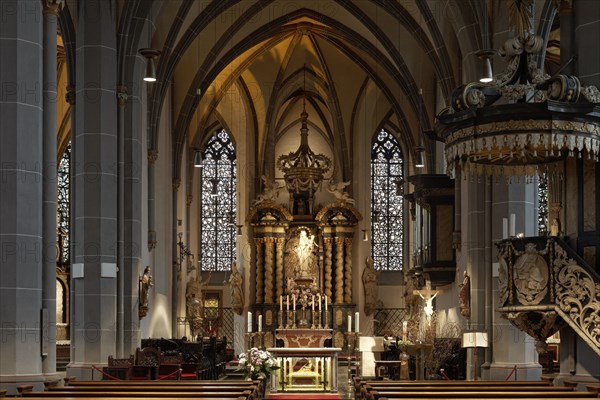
<point>401,190</point>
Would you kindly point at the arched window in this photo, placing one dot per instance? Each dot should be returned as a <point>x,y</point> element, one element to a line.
<point>218,204</point>
<point>63,206</point>
<point>542,193</point>
<point>387,172</point>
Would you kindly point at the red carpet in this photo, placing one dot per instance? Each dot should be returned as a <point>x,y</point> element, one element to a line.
<point>303,396</point>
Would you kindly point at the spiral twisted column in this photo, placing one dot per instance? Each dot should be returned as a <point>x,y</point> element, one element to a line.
<point>348,271</point>
<point>339,270</point>
<point>259,270</point>
<point>279,267</point>
<point>269,270</point>
<point>327,284</point>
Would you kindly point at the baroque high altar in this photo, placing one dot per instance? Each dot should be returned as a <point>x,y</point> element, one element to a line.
<point>303,267</point>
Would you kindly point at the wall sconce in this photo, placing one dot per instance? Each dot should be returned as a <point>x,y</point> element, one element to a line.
<point>365,235</point>
<point>198,159</point>
<point>150,54</point>
<point>486,57</point>
<point>419,159</point>
<point>215,186</point>
<point>375,216</point>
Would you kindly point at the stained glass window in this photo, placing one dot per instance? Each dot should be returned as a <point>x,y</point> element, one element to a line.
<point>543,203</point>
<point>387,171</point>
<point>218,204</point>
<point>63,206</point>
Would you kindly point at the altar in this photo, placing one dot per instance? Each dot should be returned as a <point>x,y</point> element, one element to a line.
<point>305,369</point>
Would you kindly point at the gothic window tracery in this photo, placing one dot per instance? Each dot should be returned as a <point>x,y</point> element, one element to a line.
<point>542,193</point>
<point>63,206</point>
<point>218,204</point>
<point>387,171</point>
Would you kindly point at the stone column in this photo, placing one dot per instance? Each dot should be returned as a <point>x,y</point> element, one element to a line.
<point>339,270</point>
<point>328,242</point>
<point>586,27</point>
<point>50,187</point>
<point>269,270</point>
<point>176,274</point>
<point>259,270</point>
<point>94,268</point>
<point>21,189</point>
<point>348,271</point>
<point>122,95</point>
<point>279,267</point>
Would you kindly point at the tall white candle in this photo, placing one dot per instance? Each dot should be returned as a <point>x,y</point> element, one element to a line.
<point>287,303</point>
<point>404,330</point>
<point>349,323</point>
<point>319,301</point>
<point>260,323</point>
<point>294,298</point>
<point>511,225</point>
<point>313,302</point>
<point>249,322</point>
<point>504,228</point>
<point>356,323</point>
<point>280,303</point>
<point>325,302</point>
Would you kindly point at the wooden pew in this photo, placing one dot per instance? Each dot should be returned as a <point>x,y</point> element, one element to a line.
<point>245,394</point>
<point>2,392</point>
<point>156,389</point>
<point>479,394</point>
<point>135,398</point>
<point>153,383</point>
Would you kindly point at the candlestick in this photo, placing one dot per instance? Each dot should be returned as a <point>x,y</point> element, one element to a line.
<point>356,324</point>
<point>260,323</point>
<point>349,323</point>
<point>249,322</point>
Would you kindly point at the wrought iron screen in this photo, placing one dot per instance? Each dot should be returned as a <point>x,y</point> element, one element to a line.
<point>218,204</point>
<point>387,171</point>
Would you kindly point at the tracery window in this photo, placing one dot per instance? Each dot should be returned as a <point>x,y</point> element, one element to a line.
<point>387,172</point>
<point>218,204</point>
<point>63,206</point>
<point>542,193</point>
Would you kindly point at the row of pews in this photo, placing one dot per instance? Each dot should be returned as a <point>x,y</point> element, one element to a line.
<point>424,390</point>
<point>152,390</point>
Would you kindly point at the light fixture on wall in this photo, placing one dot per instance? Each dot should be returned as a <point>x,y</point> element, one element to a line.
<point>375,216</point>
<point>198,159</point>
<point>150,54</point>
<point>215,186</point>
<point>419,159</point>
<point>365,235</point>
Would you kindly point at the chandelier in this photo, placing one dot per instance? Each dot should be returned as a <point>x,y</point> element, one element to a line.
<point>303,170</point>
<point>522,120</point>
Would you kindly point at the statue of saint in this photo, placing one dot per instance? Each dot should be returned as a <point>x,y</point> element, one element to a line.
<point>305,252</point>
<point>194,305</point>
<point>237,294</point>
<point>146,283</point>
<point>464,296</point>
<point>369,279</point>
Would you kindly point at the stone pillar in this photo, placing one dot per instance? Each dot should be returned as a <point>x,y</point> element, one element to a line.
<point>348,271</point>
<point>328,242</point>
<point>94,268</point>
<point>21,189</point>
<point>339,270</point>
<point>269,270</point>
<point>50,187</point>
<point>176,274</point>
<point>122,95</point>
<point>279,267</point>
<point>259,270</point>
<point>587,15</point>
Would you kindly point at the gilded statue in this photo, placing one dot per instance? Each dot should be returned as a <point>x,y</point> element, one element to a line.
<point>339,192</point>
<point>146,282</point>
<point>369,279</point>
<point>194,305</point>
<point>237,294</point>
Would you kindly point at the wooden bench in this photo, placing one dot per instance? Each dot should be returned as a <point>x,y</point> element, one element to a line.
<point>479,394</point>
<point>74,382</point>
<point>2,392</point>
<point>157,389</point>
<point>245,394</point>
<point>137,398</point>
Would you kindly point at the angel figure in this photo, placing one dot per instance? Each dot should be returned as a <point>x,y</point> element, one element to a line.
<point>338,190</point>
<point>270,191</point>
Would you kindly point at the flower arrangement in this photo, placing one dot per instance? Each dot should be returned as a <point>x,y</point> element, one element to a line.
<point>305,295</point>
<point>256,363</point>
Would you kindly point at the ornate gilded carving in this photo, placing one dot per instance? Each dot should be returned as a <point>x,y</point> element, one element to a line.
<point>348,271</point>
<point>531,276</point>
<point>279,267</point>
<point>338,317</point>
<point>537,324</point>
<point>328,243</point>
<point>339,270</point>
<point>259,270</point>
<point>268,270</point>
<point>339,192</point>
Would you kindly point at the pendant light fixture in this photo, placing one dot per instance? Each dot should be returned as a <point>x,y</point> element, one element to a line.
<point>150,54</point>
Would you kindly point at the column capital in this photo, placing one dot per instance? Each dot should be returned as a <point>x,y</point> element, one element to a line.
<point>152,156</point>
<point>51,7</point>
<point>122,95</point>
<point>70,95</point>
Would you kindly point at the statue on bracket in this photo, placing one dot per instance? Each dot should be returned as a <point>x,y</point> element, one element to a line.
<point>146,282</point>
<point>270,190</point>
<point>338,190</point>
<point>369,279</point>
<point>194,305</point>
<point>237,294</point>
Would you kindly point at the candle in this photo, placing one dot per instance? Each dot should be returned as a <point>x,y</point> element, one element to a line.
<point>294,299</point>
<point>349,323</point>
<point>404,330</point>
<point>260,323</point>
<point>313,302</point>
<point>280,303</point>
<point>249,322</point>
<point>356,323</point>
<point>319,301</point>
<point>511,225</point>
<point>287,302</point>
<point>325,302</point>
<point>504,228</point>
